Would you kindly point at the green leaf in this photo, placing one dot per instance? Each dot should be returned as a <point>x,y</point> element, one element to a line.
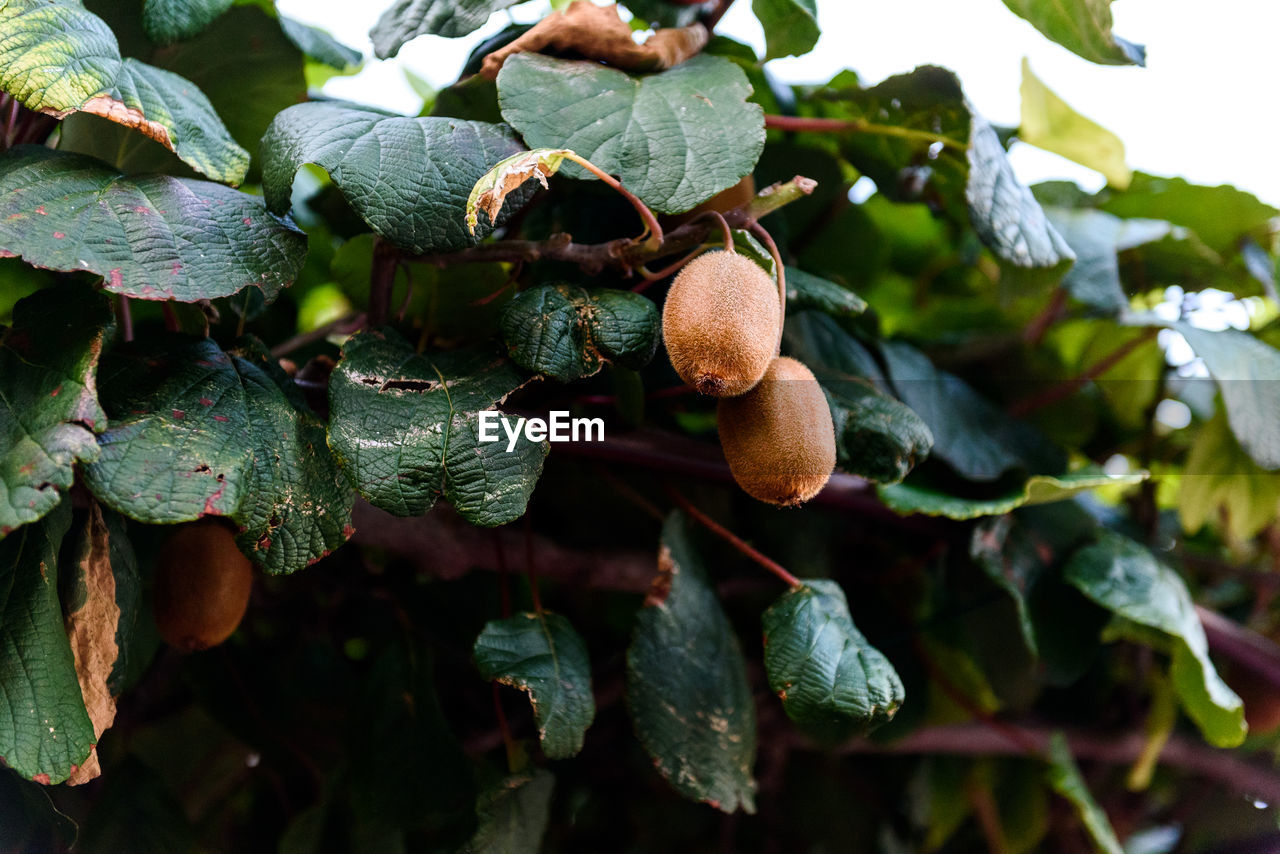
<point>513,814</point>
<point>663,13</point>
<point>687,686</point>
<point>1048,122</point>
<point>790,26</point>
<point>832,682</point>
<point>908,498</point>
<point>150,237</point>
<point>199,432</point>
<point>168,21</point>
<point>44,729</point>
<point>1097,238</point>
<point>56,57</point>
<point>48,401</point>
<point>675,139</point>
<point>1063,777</point>
<point>1125,578</point>
<point>1082,27</point>
<point>406,428</point>
<point>1220,482</point>
<point>408,19</point>
<point>1221,216</point>
<point>1247,372</point>
<point>807,291</point>
<point>320,46</point>
<point>568,332</point>
<point>408,178</point>
<point>541,654</point>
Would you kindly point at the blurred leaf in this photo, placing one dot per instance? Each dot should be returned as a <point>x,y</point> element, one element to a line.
<point>663,13</point>
<point>1048,122</point>
<point>807,291</point>
<point>406,429</point>
<point>1082,27</point>
<point>408,19</point>
<point>45,732</point>
<point>568,332</point>
<point>513,815</point>
<point>790,26</point>
<point>320,46</point>
<point>1097,238</point>
<point>908,498</point>
<point>199,432</point>
<point>48,400</point>
<point>1221,216</point>
<point>168,21</point>
<point>29,821</point>
<point>409,178</point>
<point>687,686</point>
<point>832,682</point>
<point>137,813</point>
<point>57,58</point>
<point>541,654</point>
<point>1220,481</point>
<point>1064,777</point>
<point>674,139</point>
<point>1125,578</point>
<point>151,237</point>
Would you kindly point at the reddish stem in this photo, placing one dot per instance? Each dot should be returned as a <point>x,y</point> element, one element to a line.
<point>1071,386</point>
<point>528,565</point>
<point>126,318</point>
<point>504,588</point>
<point>734,540</point>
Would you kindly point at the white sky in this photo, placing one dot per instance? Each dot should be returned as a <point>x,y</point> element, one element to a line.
<point>1205,107</point>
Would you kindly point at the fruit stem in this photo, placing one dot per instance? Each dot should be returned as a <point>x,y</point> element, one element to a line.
<point>734,540</point>
<point>653,231</point>
<point>767,239</point>
<point>649,278</point>
<point>804,123</point>
<point>125,314</point>
<point>725,230</point>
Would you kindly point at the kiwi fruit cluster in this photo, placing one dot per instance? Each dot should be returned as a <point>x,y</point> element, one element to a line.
<point>722,325</point>
<point>202,586</point>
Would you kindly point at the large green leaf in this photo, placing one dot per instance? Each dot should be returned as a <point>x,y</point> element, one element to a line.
<point>907,498</point>
<point>790,26</point>
<point>1247,372</point>
<point>1064,778</point>
<point>58,58</point>
<point>408,19</point>
<point>1220,482</point>
<point>44,729</point>
<point>196,431</point>
<point>48,399</point>
<point>513,814</point>
<point>568,332</point>
<point>1221,216</point>
<point>150,237</point>
<point>168,21</point>
<point>319,45</point>
<point>807,291</point>
<point>1125,578</point>
<point>409,178</point>
<point>541,654</point>
<point>687,683</point>
<point>1048,122</point>
<point>833,683</point>
<point>406,428</point>
<point>675,138</point>
<point>1097,238</point>
<point>1082,27</point>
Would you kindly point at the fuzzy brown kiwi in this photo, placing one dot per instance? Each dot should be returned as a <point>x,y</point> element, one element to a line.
<point>720,323</point>
<point>202,586</point>
<point>779,438</point>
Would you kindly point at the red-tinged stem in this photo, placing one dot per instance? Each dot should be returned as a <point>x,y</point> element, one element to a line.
<point>767,239</point>
<point>653,231</point>
<point>126,318</point>
<point>734,540</point>
<point>528,565</point>
<point>818,125</point>
<point>670,269</point>
<point>382,278</point>
<point>1066,389</point>
<point>171,317</point>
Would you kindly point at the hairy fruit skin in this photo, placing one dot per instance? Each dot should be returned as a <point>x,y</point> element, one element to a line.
<point>779,438</point>
<point>202,586</point>
<point>720,323</point>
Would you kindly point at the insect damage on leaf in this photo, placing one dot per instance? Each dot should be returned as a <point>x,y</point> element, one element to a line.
<point>491,191</point>
<point>598,32</point>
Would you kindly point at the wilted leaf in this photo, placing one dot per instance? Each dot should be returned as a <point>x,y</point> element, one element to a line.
<point>150,237</point>
<point>1064,777</point>
<point>56,57</point>
<point>790,26</point>
<point>408,178</point>
<point>907,498</point>
<point>408,19</point>
<point>598,32</point>
<point>48,400</point>
<point>568,332</point>
<point>168,21</point>
<point>406,429</point>
<point>832,682</point>
<point>491,191</point>
<point>199,432</point>
<point>1125,578</point>
<point>513,814</point>
<point>44,730</point>
<point>1048,122</point>
<point>543,656</point>
<point>687,684</point>
<point>1221,482</point>
<point>1082,27</point>
<point>675,139</point>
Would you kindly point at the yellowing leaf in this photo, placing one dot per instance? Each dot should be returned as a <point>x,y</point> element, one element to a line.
<point>1050,123</point>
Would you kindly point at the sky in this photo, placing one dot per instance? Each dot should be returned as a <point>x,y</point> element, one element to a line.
<point>1205,107</point>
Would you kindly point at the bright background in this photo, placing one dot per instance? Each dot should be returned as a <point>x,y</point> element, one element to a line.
<point>1204,108</point>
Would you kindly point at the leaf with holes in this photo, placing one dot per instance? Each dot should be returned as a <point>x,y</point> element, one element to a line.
<point>150,237</point>
<point>568,332</point>
<point>56,57</point>
<point>196,431</point>
<point>543,656</point>
<point>833,683</point>
<point>48,400</point>
<point>407,429</point>
<point>687,686</point>
<point>675,139</point>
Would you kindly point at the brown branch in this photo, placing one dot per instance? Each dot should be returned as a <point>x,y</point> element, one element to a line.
<point>1069,387</point>
<point>346,323</point>
<point>1241,645</point>
<point>713,17</point>
<point>382,278</point>
<point>734,540</point>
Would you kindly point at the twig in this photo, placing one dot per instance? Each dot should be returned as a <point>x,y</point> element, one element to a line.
<point>1039,325</point>
<point>126,318</point>
<point>734,540</point>
<point>725,232</point>
<point>382,278</point>
<point>713,17</point>
<point>653,231</point>
<point>528,565</point>
<point>1071,386</point>
<point>767,239</point>
<point>346,322</point>
<point>649,278</point>
<point>802,123</point>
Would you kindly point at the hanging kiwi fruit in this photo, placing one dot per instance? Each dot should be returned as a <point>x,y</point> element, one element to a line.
<point>202,586</point>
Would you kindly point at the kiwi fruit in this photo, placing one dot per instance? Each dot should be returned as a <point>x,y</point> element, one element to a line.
<point>720,323</point>
<point>202,585</point>
<point>779,438</point>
